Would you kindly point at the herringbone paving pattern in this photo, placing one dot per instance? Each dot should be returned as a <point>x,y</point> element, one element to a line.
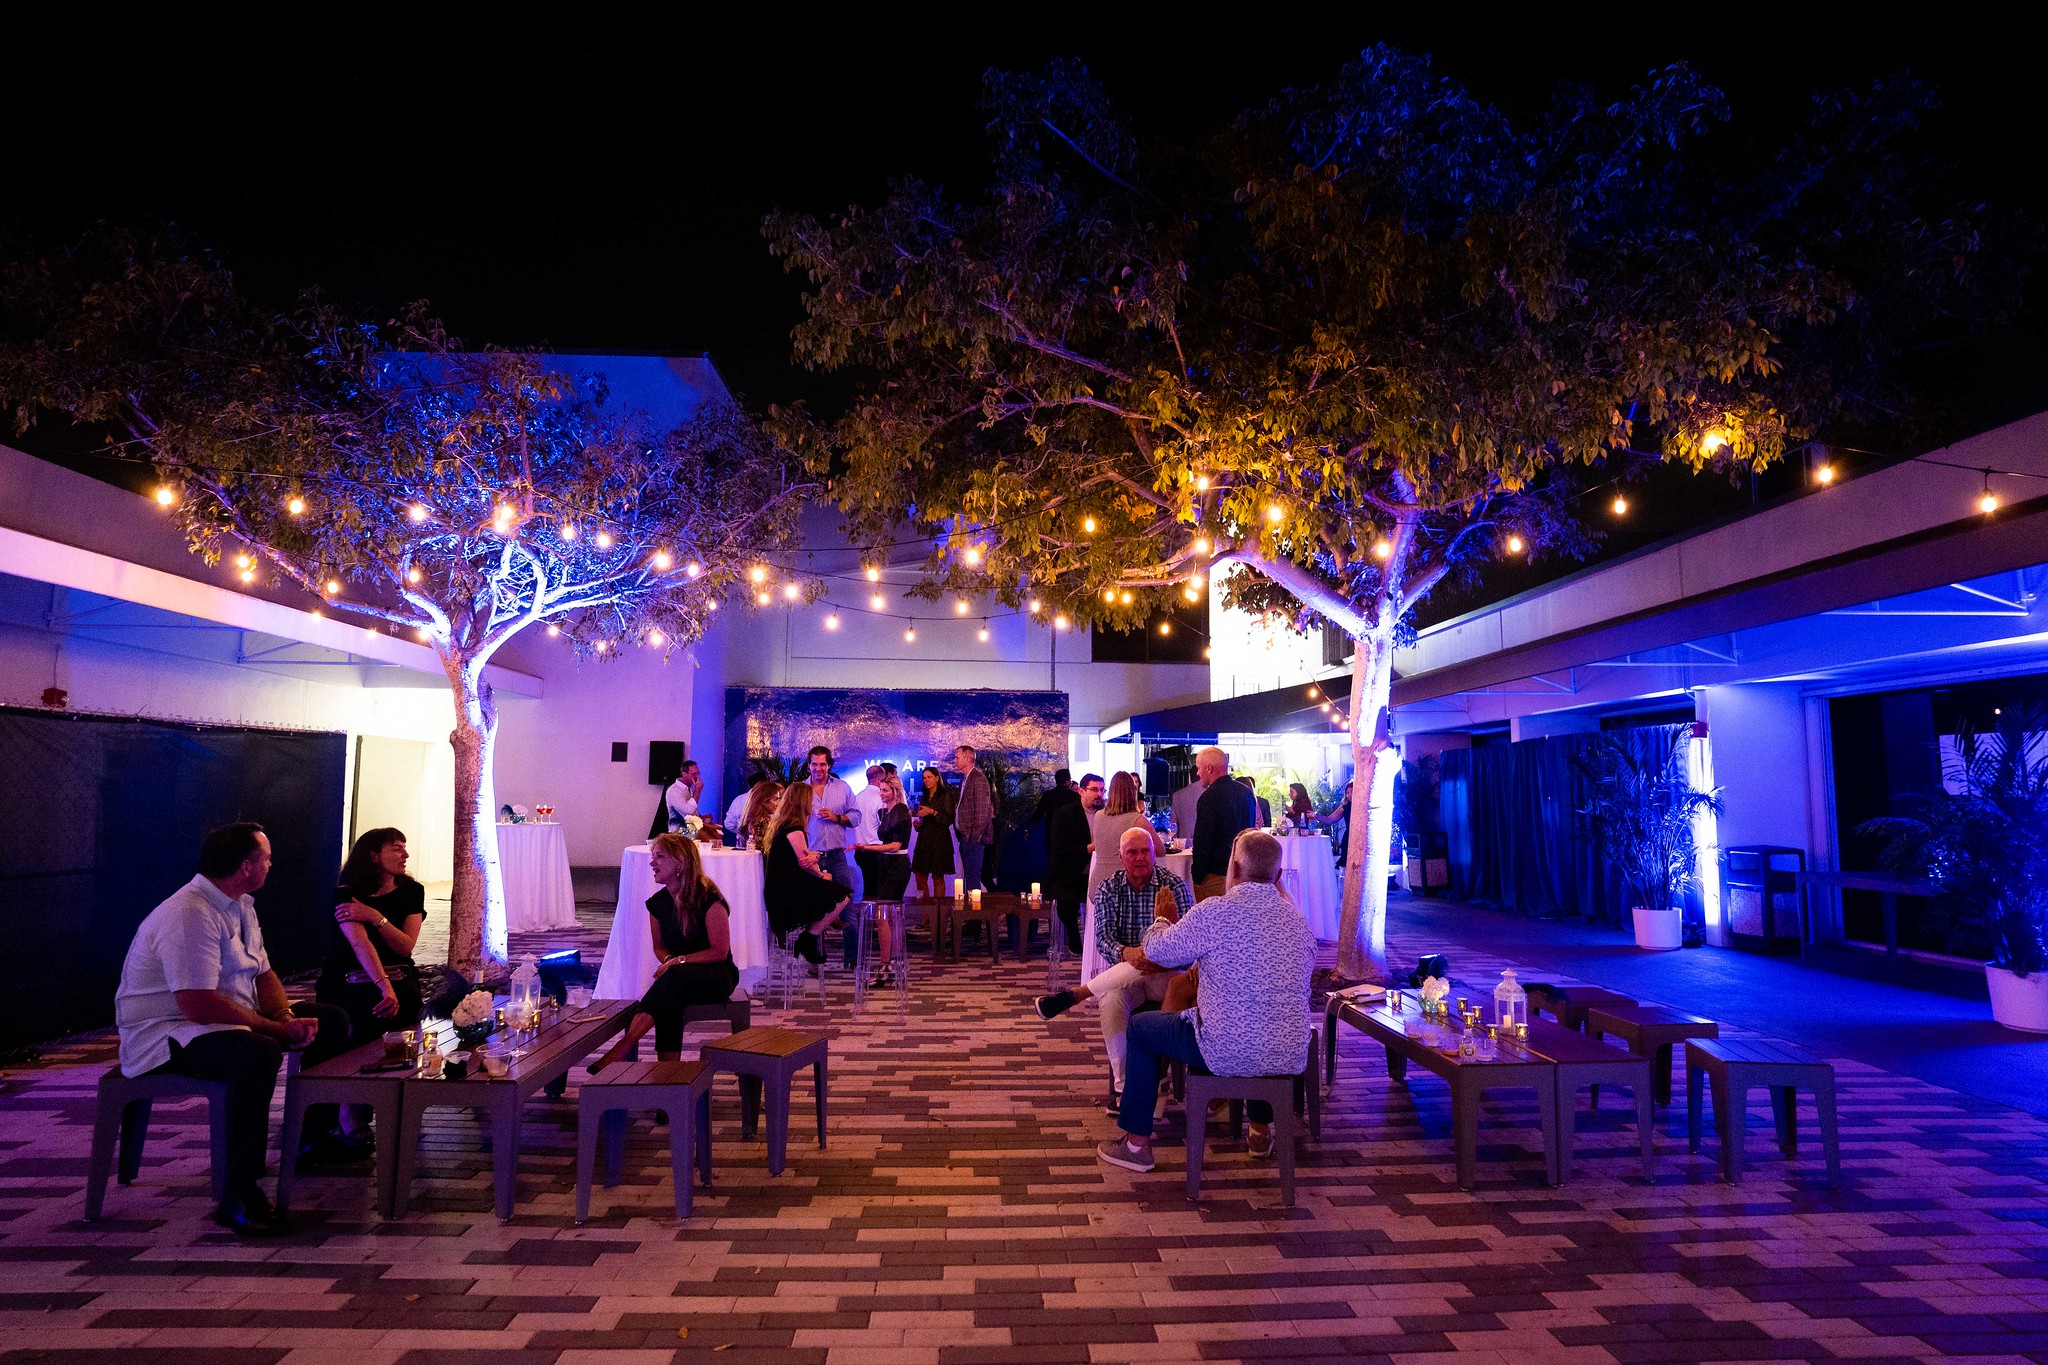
<point>959,1215</point>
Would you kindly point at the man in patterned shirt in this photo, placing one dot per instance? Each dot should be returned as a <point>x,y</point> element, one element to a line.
<point>1250,1017</point>
<point>1125,907</point>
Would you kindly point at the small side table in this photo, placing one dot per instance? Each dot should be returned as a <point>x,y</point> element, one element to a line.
<point>1736,1068</point>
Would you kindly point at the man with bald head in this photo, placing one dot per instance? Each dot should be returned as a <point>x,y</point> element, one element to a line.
<point>1126,905</point>
<point>1225,810</point>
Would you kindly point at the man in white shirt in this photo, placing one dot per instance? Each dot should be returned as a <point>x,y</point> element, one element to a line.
<point>1185,802</point>
<point>869,806</point>
<point>198,997</point>
<point>830,833</point>
<point>684,793</point>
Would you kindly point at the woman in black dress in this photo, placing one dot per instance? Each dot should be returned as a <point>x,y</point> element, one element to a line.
<point>692,935</point>
<point>801,898</point>
<point>885,868</point>
<point>369,972</point>
<point>932,859</point>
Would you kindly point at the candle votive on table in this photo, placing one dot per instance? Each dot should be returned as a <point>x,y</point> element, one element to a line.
<point>579,998</point>
<point>1394,1001</point>
<point>398,1046</point>
<point>432,1063</point>
<point>1034,891</point>
<point>974,898</point>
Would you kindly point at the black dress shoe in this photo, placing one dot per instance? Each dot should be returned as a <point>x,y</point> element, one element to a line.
<point>250,1214</point>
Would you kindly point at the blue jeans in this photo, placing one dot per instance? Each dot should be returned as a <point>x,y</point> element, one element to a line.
<point>846,872</point>
<point>970,863</point>
<point>1154,1039</point>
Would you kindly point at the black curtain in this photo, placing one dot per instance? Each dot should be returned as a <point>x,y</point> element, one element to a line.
<point>100,820</point>
<point>1510,815</point>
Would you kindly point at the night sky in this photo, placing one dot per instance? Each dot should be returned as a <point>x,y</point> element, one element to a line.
<point>590,185</point>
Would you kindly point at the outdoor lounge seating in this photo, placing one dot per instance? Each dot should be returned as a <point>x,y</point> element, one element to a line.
<point>603,1104</point>
<point>1734,1069</point>
<point>121,1121</point>
<point>1284,1093</point>
<point>769,1059</point>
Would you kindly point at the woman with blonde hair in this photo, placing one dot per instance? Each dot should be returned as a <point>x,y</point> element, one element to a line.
<point>760,810</point>
<point>801,898</point>
<point>1120,811</point>
<point>692,933</point>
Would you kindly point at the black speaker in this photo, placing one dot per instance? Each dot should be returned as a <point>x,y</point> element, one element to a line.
<point>664,761</point>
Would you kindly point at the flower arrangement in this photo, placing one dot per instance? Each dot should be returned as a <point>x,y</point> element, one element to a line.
<point>474,1017</point>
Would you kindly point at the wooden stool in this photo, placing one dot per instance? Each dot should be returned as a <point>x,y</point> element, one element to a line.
<point>603,1103</point>
<point>122,1118</point>
<point>1650,1031</point>
<point>771,1057</point>
<point>1569,1005</point>
<point>1282,1092</point>
<point>1736,1068</point>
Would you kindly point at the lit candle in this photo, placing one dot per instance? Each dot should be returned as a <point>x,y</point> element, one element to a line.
<point>959,889</point>
<point>974,897</point>
<point>1034,891</point>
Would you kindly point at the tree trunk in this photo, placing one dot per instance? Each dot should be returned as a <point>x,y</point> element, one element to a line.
<point>1362,930</point>
<point>476,913</point>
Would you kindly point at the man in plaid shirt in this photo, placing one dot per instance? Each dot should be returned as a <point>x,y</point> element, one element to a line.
<point>1125,907</point>
<point>974,819</point>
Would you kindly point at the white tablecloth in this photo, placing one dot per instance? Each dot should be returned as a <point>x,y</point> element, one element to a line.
<point>1309,877</point>
<point>1180,865</point>
<point>740,877</point>
<point>534,860</point>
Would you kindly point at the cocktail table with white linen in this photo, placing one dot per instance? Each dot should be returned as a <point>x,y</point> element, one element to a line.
<point>534,860</point>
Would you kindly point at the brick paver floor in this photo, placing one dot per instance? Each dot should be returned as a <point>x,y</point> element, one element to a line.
<point>959,1215</point>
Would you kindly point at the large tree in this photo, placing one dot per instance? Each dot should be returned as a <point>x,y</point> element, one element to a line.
<point>1368,336</point>
<point>458,495</point>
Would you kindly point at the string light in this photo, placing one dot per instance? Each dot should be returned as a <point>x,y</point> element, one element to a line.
<point>874,574</point>
<point>758,574</point>
<point>1712,442</point>
<point>1201,483</point>
<point>604,540</point>
<point>416,512</point>
<point>248,575</point>
<point>420,631</point>
<point>1059,623</point>
<point>973,554</point>
<point>654,637</point>
<point>333,586</point>
<point>960,607</point>
<point>1127,599</point>
<point>1166,627</point>
<point>412,575</point>
<point>692,569</point>
<point>1109,595</point>
<point>1207,652</point>
<point>1620,505</point>
<point>296,506</point>
<point>763,598</point>
<point>1088,525</point>
<point>983,636</point>
<point>1989,502</point>
<point>910,635</point>
<point>832,621</point>
<point>504,516</point>
<point>1314,692</point>
<point>166,495</point>
<point>553,630</point>
<point>711,606</point>
<point>568,530</point>
<point>1190,594</point>
<point>877,601</point>
<point>1035,605</point>
<point>1201,545</point>
<point>600,646</point>
<point>241,561</point>
<point>370,631</point>
<point>661,560</point>
<point>1274,512</point>
<point>1824,474</point>
<point>1326,708</point>
<point>1382,548</point>
<point>1514,545</point>
<point>791,592</point>
<point>318,614</point>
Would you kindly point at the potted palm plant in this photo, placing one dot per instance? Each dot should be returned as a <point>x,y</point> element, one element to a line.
<point>1641,817</point>
<point>1982,844</point>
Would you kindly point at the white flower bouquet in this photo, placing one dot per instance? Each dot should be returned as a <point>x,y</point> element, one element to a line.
<point>474,1016</point>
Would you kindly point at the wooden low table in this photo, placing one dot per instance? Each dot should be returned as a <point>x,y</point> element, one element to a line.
<point>1569,1005</point>
<point>1650,1031</point>
<point>355,1077</point>
<point>545,1060</point>
<point>1513,1069</point>
<point>1583,1061</point>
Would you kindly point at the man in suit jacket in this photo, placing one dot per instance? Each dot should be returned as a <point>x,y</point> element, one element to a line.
<point>1225,809</point>
<point>1068,839</point>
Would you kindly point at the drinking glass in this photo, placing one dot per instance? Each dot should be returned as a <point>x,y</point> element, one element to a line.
<point>432,1062</point>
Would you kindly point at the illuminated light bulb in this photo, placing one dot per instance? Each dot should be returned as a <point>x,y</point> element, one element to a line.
<point>1274,512</point>
<point>1326,708</point>
<point>1190,594</point>
<point>877,601</point>
<point>248,575</point>
<point>711,606</point>
<point>983,636</point>
<point>874,574</point>
<point>791,592</point>
<point>763,598</point>
<point>832,621</point>
<point>601,645</point>
<point>416,512</point>
<point>973,554</point>
<point>1201,545</point>
<point>370,631</point>
<point>1514,545</point>
<point>241,561</point>
<point>1314,692</point>
<point>1088,525</point>
<point>1059,623</point>
<point>1109,595</point>
<point>653,637</point>
<point>758,574</point>
<point>1127,599</point>
<point>692,569</point>
<point>910,635</point>
<point>1207,652</point>
<point>504,515</point>
<point>1201,483</point>
<point>1035,606</point>
<point>1620,506</point>
<point>554,631</point>
<point>333,586</point>
<point>1382,548</point>
<point>960,607</point>
<point>1712,442</point>
<point>604,540</point>
<point>1988,503</point>
<point>412,575</point>
<point>1166,627</point>
<point>296,506</point>
<point>568,530</point>
<point>166,495</point>
<point>420,631</point>
<point>319,613</point>
<point>1825,474</point>
<point>661,560</point>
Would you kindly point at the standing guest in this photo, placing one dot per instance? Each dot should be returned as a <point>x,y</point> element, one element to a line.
<point>1300,809</point>
<point>801,898</point>
<point>1061,793</point>
<point>1265,807</point>
<point>867,806</point>
<point>736,809</point>
<point>1069,834</point>
<point>1225,810</point>
<point>1119,812</point>
<point>369,973</point>
<point>975,818</point>
<point>1338,818</point>
<point>761,801</point>
<point>1255,953</point>
<point>885,868</point>
<point>685,794</point>
<point>931,858</point>
<point>830,833</point>
<point>1185,802</point>
<point>198,998</point>
<point>691,928</point>
<point>1125,907</point>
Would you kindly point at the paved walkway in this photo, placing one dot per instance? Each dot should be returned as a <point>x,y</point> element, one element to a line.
<point>959,1216</point>
<point>1937,1038</point>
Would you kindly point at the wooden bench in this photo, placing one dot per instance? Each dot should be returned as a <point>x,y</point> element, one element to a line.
<point>1569,1005</point>
<point>1737,1067</point>
<point>605,1100</point>
<point>121,1120</point>
<point>770,1058</point>
<point>1650,1031</point>
<point>1284,1093</point>
<point>1583,1061</point>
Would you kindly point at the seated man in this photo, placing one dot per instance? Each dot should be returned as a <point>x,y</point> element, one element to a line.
<point>1125,907</point>
<point>197,997</point>
<point>1256,954</point>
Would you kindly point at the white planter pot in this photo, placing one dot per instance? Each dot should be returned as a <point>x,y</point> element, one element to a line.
<point>2018,1002</point>
<point>1659,929</point>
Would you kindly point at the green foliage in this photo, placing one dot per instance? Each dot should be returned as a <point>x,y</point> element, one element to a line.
<point>1370,310</point>
<point>1641,814</point>
<point>467,493</point>
<point>1984,846</point>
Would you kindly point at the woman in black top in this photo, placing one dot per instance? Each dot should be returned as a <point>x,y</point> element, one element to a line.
<point>378,911</point>
<point>884,864</point>
<point>932,859</point>
<point>692,935</point>
<point>801,898</point>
